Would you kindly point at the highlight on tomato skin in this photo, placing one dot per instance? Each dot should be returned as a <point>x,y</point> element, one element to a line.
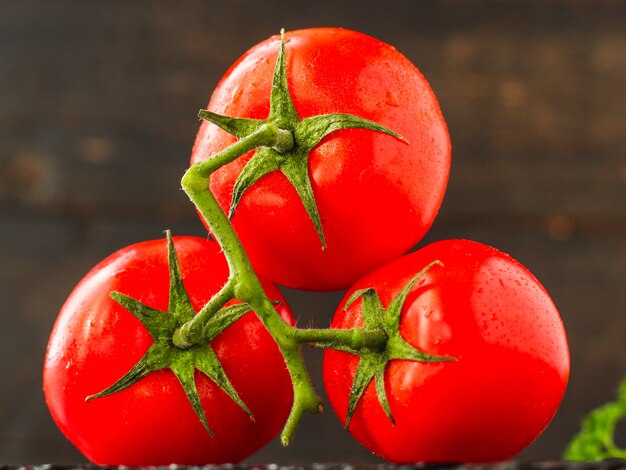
<point>511,367</point>
<point>377,195</point>
<point>95,341</point>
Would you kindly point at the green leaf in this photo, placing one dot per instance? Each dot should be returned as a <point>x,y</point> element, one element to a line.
<point>399,348</point>
<point>355,296</point>
<point>186,377</point>
<point>296,169</point>
<point>595,441</point>
<point>381,393</point>
<point>208,363</point>
<point>369,366</point>
<point>136,373</point>
<point>372,364</point>
<point>239,127</point>
<point>153,320</point>
<point>282,111</point>
<point>310,131</point>
<point>264,161</point>
<point>179,305</point>
<point>394,309</point>
<point>373,310</point>
<point>150,362</point>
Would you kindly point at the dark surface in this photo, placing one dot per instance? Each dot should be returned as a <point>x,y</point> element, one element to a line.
<point>98,114</point>
<point>511,465</point>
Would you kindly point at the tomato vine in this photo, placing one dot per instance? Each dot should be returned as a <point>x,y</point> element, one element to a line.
<point>282,142</point>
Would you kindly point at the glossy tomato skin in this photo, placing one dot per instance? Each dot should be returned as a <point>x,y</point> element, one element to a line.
<point>512,361</point>
<point>377,196</point>
<point>95,341</point>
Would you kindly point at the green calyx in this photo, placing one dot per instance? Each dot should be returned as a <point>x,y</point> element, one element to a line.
<point>374,359</point>
<point>290,157</point>
<point>163,354</point>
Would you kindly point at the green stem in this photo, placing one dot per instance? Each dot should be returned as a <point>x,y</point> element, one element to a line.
<point>305,399</point>
<point>192,332</point>
<point>195,182</point>
<point>353,338</point>
<point>244,285</point>
<point>243,282</point>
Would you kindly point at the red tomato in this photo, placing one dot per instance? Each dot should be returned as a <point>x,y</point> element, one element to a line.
<point>511,366</point>
<point>95,342</point>
<point>377,196</point>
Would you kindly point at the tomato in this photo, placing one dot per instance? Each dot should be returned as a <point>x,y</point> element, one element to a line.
<point>377,195</point>
<point>95,341</point>
<point>510,359</point>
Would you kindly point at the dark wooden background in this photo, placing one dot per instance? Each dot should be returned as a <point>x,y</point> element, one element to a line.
<point>98,104</point>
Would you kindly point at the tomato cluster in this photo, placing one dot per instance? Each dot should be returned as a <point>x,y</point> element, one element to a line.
<point>456,353</point>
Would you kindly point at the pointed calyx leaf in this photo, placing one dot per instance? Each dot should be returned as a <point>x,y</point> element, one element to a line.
<point>297,172</point>
<point>187,379</point>
<point>394,309</point>
<point>371,366</point>
<point>282,111</point>
<point>179,305</point>
<point>163,354</point>
<point>136,373</point>
<point>239,127</point>
<point>155,321</point>
<point>291,160</point>
<point>312,130</point>
<point>264,161</point>
<point>373,361</point>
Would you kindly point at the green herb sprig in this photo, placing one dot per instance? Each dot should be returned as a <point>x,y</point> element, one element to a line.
<point>596,439</point>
